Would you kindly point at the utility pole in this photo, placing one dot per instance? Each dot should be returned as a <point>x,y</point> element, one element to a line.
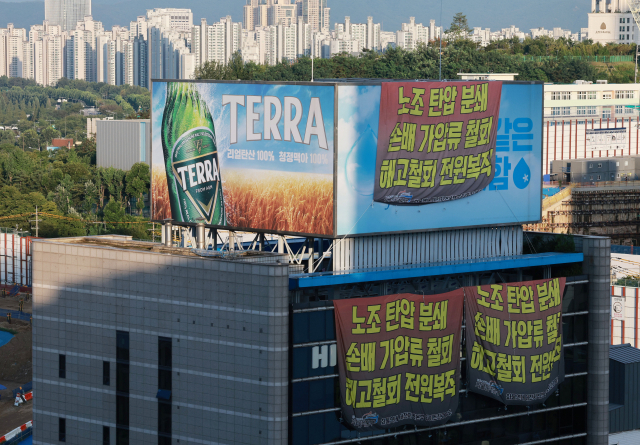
<point>635,77</point>
<point>36,221</point>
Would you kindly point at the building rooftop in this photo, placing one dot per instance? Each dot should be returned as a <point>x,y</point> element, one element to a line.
<point>624,353</point>
<point>121,242</point>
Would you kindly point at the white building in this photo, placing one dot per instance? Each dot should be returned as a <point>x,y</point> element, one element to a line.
<point>611,21</point>
<point>12,51</point>
<point>171,18</point>
<point>216,42</point>
<point>570,110</point>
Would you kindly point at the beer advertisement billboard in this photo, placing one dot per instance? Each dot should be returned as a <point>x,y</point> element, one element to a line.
<point>333,159</point>
<point>514,340</point>
<point>247,156</point>
<point>399,359</point>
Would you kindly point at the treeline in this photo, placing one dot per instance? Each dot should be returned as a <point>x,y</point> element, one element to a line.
<point>546,46</point>
<point>460,56</point>
<point>65,182</point>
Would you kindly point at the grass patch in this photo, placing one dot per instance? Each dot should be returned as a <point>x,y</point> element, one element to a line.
<point>10,331</point>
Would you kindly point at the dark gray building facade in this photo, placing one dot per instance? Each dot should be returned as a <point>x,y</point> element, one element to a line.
<point>140,344</point>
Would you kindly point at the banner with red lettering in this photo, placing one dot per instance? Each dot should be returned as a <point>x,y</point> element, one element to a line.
<point>514,340</point>
<point>399,359</point>
<point>436,140</point>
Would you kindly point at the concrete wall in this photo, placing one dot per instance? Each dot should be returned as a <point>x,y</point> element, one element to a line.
<point>121,144</point>
<point>228,322</point>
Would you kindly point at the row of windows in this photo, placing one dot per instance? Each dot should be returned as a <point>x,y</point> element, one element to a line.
<point>536,426</point>
<point>592,95</point>
<point>591,111</point>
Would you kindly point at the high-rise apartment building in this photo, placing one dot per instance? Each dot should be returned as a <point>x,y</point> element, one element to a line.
<point>12,52</point>
<point>216,42</point>
<point>66,13</point>
<point>316,14</point>
<point>413,33</point>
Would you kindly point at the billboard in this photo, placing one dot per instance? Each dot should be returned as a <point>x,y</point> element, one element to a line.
<point>514,340</point>
<point>338,159</point>
<point>607,139</point>
<point>399,359</point>
<point>248,156</point>
<point>512,196</point>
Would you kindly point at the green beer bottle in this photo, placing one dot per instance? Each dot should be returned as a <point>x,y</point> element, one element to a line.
<point>191,157</point>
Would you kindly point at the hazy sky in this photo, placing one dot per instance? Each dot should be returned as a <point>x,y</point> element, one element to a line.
<point>494,14</point>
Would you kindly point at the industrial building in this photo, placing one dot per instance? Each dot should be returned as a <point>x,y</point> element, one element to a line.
<point>140,343</point>
<point>122,143</point>
<point>596,170</point>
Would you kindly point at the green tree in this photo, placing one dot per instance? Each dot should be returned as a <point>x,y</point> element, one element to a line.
<point>459,28</point>
<point>30,139</point>
<point>49,134</point>
<point>138,180</point>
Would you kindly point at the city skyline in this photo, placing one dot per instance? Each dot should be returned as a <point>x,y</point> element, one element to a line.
<point>568,15</point>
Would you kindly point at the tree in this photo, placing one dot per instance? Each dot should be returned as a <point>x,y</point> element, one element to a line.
<point>30,139</point>
<point>7,137</point>
<point>49,134</point>
<point>459,27</point>
<point>138,181</point>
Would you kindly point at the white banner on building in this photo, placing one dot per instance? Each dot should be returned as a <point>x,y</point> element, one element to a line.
<point>607,139</point>
<point>617,308</point>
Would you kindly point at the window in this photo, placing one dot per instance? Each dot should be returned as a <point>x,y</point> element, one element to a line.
<point>626,163</point>
<point>561,95</point>
<point>122,345</point>
<point>581,110</point>
<point>582,95</point>
<point>599,165</point>
<point>618,109</point>
<point>590,165</point>
<point>625,94</point>
<point>618,175</point>
<point>122,378</point>
<point>106,373</point>
<point>106,435</point>
<point>606,113</point>
<point>62,366</point>
<point>599,177</point>
<point>566,111</point>
<point>622,36</point>
<point>592,111</point>
<point>606,95</point>
<point>628,110</point>
<point>555,111</point>
<point>622,28</point>
<point>592,95</point>
<point>617,164</point>
<point>62,430</point>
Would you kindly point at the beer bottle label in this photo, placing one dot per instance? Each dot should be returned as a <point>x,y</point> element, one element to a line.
<point>194,162</point>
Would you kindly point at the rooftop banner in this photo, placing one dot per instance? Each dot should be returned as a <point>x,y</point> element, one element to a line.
<point>437,141</point>
<point>399,359</point>
<point>514,340</point>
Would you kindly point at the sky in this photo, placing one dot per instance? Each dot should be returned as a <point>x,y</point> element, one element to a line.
<point>494,14</point>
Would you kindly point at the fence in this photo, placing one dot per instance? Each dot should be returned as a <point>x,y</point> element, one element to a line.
<point>15,257</point>
<point>629,250</point>
<point>603,59</point>
<point>566,139</point>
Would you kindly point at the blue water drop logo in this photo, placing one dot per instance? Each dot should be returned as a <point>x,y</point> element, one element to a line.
<point>521,175</point>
